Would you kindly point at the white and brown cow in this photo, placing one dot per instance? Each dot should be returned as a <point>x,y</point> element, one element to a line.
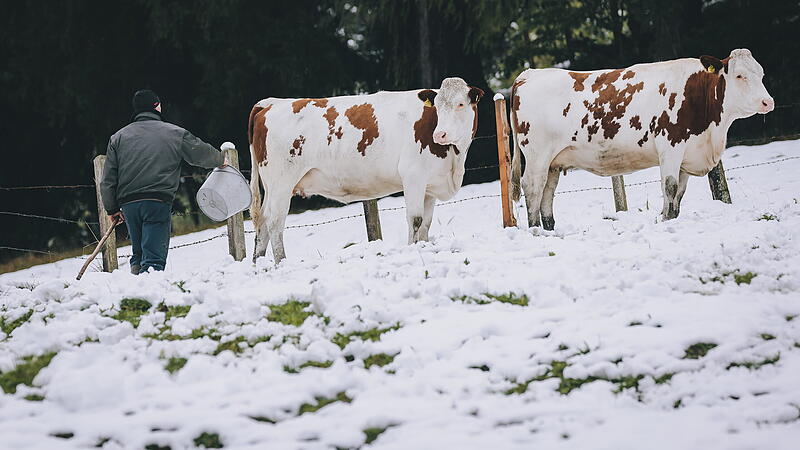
<point>672,114</point>
<point>360,147</point>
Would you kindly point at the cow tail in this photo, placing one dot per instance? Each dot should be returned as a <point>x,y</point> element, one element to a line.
<point>255,189</point>
<point>516,170</point>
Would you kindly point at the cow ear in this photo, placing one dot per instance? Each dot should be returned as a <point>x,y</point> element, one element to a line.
<point>475,94</point>
<point>712,64</point>
<point>427,96</point>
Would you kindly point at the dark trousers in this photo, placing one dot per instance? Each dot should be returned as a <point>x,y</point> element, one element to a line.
<point>149,224</point>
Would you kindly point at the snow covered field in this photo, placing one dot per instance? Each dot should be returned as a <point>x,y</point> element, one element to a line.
<point>615,331</point>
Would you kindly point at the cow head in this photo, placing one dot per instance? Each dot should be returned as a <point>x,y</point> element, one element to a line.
<point>745,92</point>
<point>456,111</point>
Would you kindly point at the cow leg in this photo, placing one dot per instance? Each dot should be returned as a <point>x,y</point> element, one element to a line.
<point>414,193</point>
<point>262,235</point>
<point>548,222</point>
<point>683,181</point>
<point>670,163</point>
<point>427,217</point>
<point>277,208</point>
<point>533,182</point>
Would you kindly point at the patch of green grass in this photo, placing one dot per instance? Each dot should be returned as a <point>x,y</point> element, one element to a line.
<point>634,323</point>
<point>466,261</point>
<point>234,345</point>
<point>482,368</point>
<point>567,385</point>
<point>744,278</point>
<point>322,402</point>
<point>24,372</point>
<point>131,310</point>
<point>551,253</point>
<point>372,434</point>
<point>349,244</point>
<point>754,365</point>
<point>157,447</point>
<point>373,334</point>
<point>790,318</point>
<point>510,298</point>
<point>290,313</point>
<point>378,359</point>
<point>664,378</point>
<point>175,364</point>
<point>8,327</point>
<point>562,347</point>
<point>197,333</point>
<point>767,336</point>
<point>180,285</point>
<point>263,419</point>
<point>208,440</point>
<point>320,364</point>
<point>768,216</point>
<point>173,311</point>
<point>64,435</point>
<point>698,350</point>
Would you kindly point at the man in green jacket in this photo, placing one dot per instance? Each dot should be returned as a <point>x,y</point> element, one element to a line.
<point>142,175</point>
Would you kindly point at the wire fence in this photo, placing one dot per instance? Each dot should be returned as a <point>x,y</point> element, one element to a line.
<point>352,216</point>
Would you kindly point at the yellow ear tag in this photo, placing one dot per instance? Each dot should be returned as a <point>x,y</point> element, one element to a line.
<point>428,103</point>
<point>710,69</point>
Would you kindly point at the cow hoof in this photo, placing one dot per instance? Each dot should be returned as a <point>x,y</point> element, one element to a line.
<point>548,223</point>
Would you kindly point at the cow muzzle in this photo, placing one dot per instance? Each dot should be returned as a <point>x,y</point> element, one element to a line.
<point>442,138</point>
<point>767,105</point>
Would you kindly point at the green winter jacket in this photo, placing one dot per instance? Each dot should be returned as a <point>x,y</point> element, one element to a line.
<point>143,161</point>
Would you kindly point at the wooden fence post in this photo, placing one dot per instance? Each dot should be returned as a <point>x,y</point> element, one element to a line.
<point>236,245</point>
<point>110,249</point>
<point>620,199</point>
<point>504,158</point>
<point>373,220</point>
<point>719,184</point>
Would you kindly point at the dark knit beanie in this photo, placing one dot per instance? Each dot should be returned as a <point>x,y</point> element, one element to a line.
<point>145,100</point>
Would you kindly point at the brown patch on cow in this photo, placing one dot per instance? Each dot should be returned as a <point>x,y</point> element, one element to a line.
<point>298,105</point>
<point>525,142</point>
<point>704,93</point>
<point>615,99</point>
<point>643,139</point>
<point>585,119</point>
<point>474,119</point>
<point>257,133</point>
<point>515,103</point>
<point>575,136</point>
<point>605,79</point>
<point>423,132</point>
<point>628,75</point>
<point>635,123</point>
<point>297,146</point>
<point>672,100</point>
<point>339,133</point>
<point>566,110</point>
<point>662,89</point>
<point>330,115</point>
<point>524,127</point>
<point>579,79</point>
<point>363,117</point>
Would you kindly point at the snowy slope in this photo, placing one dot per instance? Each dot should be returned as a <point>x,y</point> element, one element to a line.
<point>637,333</point>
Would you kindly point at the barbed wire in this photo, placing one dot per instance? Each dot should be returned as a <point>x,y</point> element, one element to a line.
<point>21,188</point>
<point>3,247</point>
<point>54,219</point>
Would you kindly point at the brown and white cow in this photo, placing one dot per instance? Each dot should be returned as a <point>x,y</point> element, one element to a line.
<point>672,114</point>
<point>360,147</point>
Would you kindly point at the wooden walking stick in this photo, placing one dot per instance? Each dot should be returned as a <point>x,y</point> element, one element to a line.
<point>97,249</point>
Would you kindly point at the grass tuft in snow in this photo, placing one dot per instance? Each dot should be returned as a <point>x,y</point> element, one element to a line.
<point>373,334</point>
<point>744,278</point>
<point>24,372</point>
<point>319,364</point>
<point>510,298</point>
<point>34,397</point>
<point>175,364</point>
<point>322,402</point>
<point>63,435</point>
<point>378,359</point>
<point>754,365</point>
<point>290,313</point>
<point>8,327</point>
<point>567,384</point>
<point>131,310</point>
<point>157,447</point>
<point>698,350</point>
<point>768,216</point>
<point>372,434</point>
<point>234,345</point>
<point>664,378</point>
<point>208,440</point>
<point>767,336</point>
<point>263,419</point>
<point>173,311</point>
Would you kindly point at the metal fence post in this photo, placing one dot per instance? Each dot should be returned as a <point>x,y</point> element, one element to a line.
<point>236,245</point>
<point>110,248</point>
<point>719,184</point>
<point>373,220</point>
<point>620,199</point>
<point>504,158</point>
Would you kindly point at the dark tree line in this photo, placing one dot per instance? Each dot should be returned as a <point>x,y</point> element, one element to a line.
<point>70,67</point>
